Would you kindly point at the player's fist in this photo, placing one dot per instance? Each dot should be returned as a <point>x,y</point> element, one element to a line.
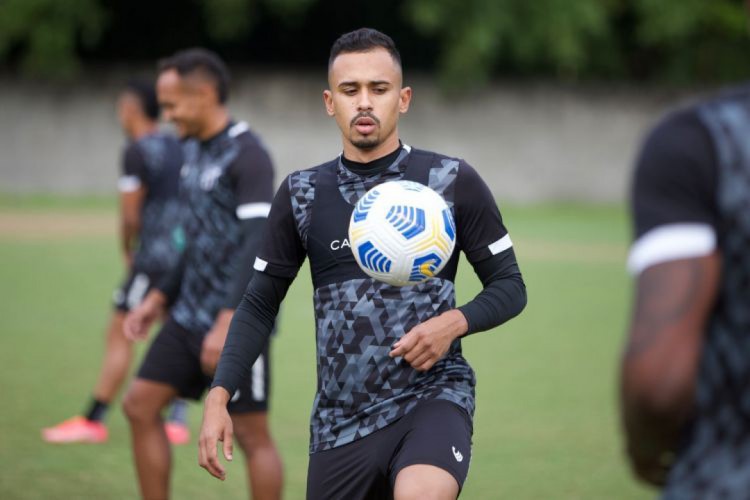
<point>425,344</point>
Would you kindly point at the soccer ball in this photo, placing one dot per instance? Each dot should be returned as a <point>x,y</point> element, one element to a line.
<point>402,233</point>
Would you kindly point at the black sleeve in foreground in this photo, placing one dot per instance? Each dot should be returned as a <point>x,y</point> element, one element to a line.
<point>251,326</point>
<point>503,296</point>
<point>243,263</point>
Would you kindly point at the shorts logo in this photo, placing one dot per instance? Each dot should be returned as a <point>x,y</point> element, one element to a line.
<point>457,454</point>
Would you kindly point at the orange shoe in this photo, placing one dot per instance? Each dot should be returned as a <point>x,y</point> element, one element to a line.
<point>177,432</point>
<point>76,430</point>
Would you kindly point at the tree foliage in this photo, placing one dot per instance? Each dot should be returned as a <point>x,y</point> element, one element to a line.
<point>48,32</point>
<point>465,41</point>
<point>475,35</point>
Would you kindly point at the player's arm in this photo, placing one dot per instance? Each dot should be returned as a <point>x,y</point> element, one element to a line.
<point>132,196</point>
<point>249,330</point>
<point>252,176</point>
<point>280,258</point>
<point>486,242</point>
<point>213,342</point>
<point>502,298</point>
<point>659,368</point>
<point>677,268</point>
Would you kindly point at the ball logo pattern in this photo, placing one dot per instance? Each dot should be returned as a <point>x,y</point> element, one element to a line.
<point>402,233</point>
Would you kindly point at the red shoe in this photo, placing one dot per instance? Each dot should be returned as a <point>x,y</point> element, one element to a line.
<point>76,430</point>
<point>177,432</point>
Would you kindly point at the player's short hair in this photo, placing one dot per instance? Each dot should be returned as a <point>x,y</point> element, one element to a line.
<point>363,40</point>
<point>199,60</point>
<point>146,93</point>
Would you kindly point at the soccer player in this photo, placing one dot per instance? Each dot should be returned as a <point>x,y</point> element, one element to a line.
<point>149,217</point>
<point>393,410</point>
<point>684,379</point>
<point>227,184</point>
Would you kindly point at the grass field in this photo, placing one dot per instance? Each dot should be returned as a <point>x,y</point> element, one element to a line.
<point>546,424</point>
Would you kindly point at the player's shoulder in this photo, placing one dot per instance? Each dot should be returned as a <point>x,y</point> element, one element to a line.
<point>436,157</point>
<point>679,138</point>
<point>727,95</point>
<point>131,148</point>
<point>241,134</point>
<point>156,142</point>
<point>675,123</point>
<point>442,161</point>
<point>688,120</point>
<point>306,178</point>
<point>450,168</point>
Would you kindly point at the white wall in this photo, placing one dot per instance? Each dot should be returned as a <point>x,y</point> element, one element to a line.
<point>530,141</point>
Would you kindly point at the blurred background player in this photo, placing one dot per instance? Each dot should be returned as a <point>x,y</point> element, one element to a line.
<point>227,182</point>
<point>685,397</point>
<point>149,236</point>
<point>393,415</point>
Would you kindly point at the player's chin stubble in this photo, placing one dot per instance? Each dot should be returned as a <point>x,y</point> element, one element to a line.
<point>365,142</point>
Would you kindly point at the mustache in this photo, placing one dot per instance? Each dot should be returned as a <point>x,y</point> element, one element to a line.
<point>365,114</point>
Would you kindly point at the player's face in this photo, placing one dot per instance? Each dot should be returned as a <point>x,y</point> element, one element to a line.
<point>366,98</point>
<point>127,107</point>
<point>183,102</point>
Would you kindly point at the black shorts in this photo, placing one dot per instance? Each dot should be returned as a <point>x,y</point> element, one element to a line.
<point>174,359</point>
<point>134,289</point>
<point>436,432</point>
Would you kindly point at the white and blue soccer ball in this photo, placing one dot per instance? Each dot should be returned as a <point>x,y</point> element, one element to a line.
<point>402,233</point>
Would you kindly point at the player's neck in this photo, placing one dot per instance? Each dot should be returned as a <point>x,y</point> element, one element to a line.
<point>215,123</point>
<point>359,155</point>
<point>141,128</point>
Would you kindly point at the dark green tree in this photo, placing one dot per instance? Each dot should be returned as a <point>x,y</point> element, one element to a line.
<point>465,41</point>
<point>47,32</point>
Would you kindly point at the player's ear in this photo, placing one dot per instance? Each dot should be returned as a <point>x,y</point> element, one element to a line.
<point>209,93</point>
<point>404,99</point>
<point>328,101</point>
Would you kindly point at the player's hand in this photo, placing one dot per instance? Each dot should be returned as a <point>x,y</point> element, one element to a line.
<point>216,426</point>
<point>651,467</point>
<point>425,344</point>
<point>138,321</point>
<point>214,340</point>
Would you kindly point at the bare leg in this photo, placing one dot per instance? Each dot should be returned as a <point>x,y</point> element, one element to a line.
<point>118,353</point>
<point>264,467</point>
<point>143,405</point>
<point>425,482</point>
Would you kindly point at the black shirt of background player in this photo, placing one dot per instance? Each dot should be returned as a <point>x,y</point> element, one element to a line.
<point>227,187</point>
<point>154,162</point>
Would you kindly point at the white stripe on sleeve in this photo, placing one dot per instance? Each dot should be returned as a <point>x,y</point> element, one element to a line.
<point>501,245</point>
<point>253,210</point>
<point>128,183</point>
<point>671,242</point>
<point>258,381</point>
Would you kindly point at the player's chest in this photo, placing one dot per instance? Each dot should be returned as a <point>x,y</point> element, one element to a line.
<point>205,177</point>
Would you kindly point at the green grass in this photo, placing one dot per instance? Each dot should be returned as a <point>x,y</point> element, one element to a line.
<point>546,424</point>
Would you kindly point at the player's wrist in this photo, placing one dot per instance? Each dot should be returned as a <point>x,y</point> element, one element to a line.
<point>217,396</point>
<point>458,322</point>
<point>157,299</point>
